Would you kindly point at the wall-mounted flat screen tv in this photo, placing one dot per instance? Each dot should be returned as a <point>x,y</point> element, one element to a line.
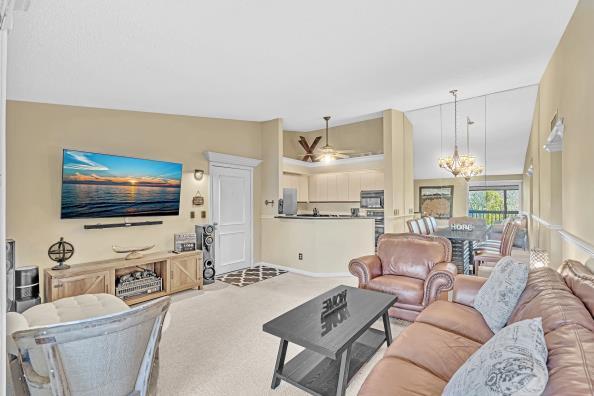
<point>100,185</point>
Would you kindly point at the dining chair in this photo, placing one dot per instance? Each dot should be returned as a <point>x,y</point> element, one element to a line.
<point>106,355</point>
<point>430,223</point>
<point>418,226</point>
<point>489,255</point>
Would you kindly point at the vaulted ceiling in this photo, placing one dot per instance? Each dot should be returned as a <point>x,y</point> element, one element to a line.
<point>263,59</point>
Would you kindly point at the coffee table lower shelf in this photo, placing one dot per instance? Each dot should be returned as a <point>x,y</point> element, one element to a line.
<point>318,375</point>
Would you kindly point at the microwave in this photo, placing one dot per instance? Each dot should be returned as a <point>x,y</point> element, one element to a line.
<point>372,199</point>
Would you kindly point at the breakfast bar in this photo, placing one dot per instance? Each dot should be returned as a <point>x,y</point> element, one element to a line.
<point>317,245</point>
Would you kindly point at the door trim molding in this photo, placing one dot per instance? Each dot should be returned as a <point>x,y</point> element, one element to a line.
<point>233,161</point>
<point>228,159</point>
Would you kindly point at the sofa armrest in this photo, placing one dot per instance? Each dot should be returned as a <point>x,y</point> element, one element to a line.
<point>465,289</point>
<point>14,322</point>
<point>365,269</point>
<point>440,279</point>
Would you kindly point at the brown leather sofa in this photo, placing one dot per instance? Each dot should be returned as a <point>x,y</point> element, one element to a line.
<point>415,267</point>
<point>423,358</point>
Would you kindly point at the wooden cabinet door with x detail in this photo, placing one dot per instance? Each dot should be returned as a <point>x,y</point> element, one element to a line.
<point>184,273</point>
<point>93,283</point>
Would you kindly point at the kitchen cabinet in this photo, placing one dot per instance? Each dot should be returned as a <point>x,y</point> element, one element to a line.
<point>322,186</point>
<point>367,181</point>
<point>343,186</point>
<point>372,180</point>
<point>354,180</point>
<point>331,189</point>
<point>302,188</point>
<point>298,182</point>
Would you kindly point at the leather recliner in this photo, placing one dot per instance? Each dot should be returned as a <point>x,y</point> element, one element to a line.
<point>414,267</point>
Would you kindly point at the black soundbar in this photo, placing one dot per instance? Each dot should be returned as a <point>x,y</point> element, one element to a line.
<point>118,225</point>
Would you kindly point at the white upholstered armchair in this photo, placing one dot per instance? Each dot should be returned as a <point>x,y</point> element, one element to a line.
<point>112,354</point>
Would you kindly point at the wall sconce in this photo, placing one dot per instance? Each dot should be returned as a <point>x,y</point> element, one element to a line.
<point>198,174</point>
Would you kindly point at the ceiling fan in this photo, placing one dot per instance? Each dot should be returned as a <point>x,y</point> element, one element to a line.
<point>329,153</point>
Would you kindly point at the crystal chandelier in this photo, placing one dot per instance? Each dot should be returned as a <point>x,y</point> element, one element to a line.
<point>460,165</point>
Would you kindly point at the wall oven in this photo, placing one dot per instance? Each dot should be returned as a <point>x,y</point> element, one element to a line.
<point>378,216</point>
<point>372,199</point>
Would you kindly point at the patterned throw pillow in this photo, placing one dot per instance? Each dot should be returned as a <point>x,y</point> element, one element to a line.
<point>512,362</point>
<point>498,297</point>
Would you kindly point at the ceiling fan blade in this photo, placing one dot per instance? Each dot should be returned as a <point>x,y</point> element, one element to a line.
<point>345,151</point>
<point>339,155</point>
<point>315,143</point>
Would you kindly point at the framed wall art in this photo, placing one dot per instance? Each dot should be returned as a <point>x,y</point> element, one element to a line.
<point>436,201</point>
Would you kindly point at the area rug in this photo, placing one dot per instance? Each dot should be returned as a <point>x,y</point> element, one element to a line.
<point>249,276</point>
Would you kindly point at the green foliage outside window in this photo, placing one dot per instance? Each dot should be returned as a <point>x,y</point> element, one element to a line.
<point>494,203</point>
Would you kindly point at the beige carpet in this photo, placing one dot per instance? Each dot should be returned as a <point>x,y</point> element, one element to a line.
<point>215,344</point>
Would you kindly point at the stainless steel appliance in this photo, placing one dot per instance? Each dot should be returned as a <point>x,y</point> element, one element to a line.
<point>372,199</point>
<point>290,201</point>
<point>378,216</point>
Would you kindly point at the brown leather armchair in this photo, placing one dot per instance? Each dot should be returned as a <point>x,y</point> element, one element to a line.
<point>414,267</point>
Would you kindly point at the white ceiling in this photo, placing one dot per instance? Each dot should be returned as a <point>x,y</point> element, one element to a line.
<point>508,122</point>
<point>262,59</point>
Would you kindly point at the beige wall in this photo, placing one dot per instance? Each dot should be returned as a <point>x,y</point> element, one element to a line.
<point>36,135</point>
<point>562,186</point>
<point>363,137</point>
<point>460,206</point>
<point>272,165</point>
<point>327,245</point>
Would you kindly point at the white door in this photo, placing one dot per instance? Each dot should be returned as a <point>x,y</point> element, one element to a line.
<point>232,215</point>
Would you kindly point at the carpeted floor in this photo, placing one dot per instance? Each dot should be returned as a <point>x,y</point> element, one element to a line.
<point>215,344</point>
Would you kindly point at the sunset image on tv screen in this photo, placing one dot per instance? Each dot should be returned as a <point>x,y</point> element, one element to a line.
<point>100,185</point>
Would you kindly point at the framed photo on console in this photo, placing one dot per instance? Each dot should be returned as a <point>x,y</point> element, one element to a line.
<point>436,201</point>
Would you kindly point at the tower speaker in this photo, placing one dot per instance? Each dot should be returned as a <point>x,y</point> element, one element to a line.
<point>205,241</point>
<point>10,264</point>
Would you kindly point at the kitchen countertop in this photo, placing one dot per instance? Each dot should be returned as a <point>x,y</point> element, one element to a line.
<point>338,217</point>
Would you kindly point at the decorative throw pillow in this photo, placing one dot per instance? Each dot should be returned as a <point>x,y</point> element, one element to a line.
<point>498,297</point>
<point>512,362</point>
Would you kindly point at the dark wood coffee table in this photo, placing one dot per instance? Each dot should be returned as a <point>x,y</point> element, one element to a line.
<point>336,347</point>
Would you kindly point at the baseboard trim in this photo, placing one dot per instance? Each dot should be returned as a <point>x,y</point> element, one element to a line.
<point>306,273</point>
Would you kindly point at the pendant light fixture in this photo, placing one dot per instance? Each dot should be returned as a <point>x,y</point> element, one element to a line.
<point>453,163</point>
<point>460,165</point>
<point>471,169</point>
